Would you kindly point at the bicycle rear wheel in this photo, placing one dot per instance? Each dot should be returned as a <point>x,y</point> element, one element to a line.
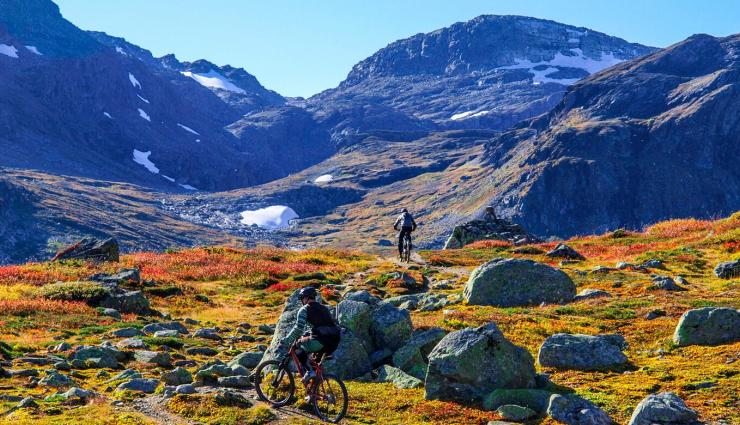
<point>407,249</point>
<point>274,383</point>
<point>331,399</point>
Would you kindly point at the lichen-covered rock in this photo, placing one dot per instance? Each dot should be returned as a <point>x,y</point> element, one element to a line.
<point>56,379</point>
<point>398,377</point>
<point>390,326</point>
<point>728,269</point>
<point>412,358</point>
<point>142,385</point>
<point>663,409</point>
<point>282,328</point>
<point>468,364</point>
<point>153,357</point>
<point>573,410</point>
<point>488,227</point>
<point>582,352</point>
<point>508,282</point>
<point>350,360</point>
<point>235,381</point>
<point>356,316</point>
<point>534,399</point>
<point>151,328</point>
<point>177,376</point>
<point>513,412</point>
<point>564,251</point>
<point>247,359</point>
<point>708,326</point>
<point>93,357</point>
<point>665,283</point>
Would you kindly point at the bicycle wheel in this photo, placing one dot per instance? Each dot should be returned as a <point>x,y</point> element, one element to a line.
<point>274,383</point>
<point>331,399</point>
<point>407,249</point>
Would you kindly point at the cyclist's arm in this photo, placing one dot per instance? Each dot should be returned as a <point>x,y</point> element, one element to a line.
<point>298,328</point>
<point>414,224</point>
<point>398,221</point>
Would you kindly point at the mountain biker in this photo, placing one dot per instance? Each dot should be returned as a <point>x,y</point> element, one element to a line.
<point>408,225</point>
<point>321,335</point>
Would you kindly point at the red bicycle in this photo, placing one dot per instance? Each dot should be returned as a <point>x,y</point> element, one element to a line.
<point>275,384</point>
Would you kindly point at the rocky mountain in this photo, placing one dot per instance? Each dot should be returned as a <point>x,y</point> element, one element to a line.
<point>489,72</point>
<point>643,141</point>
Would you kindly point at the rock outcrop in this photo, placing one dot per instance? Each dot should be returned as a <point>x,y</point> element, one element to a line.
<point>90,249</point>
<point>508,282</point>
<point>489,227</point>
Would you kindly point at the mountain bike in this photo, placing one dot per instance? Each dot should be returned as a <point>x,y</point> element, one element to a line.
<point>275,384</point>
<point>406,248</point>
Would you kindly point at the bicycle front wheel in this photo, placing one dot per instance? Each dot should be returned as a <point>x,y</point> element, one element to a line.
<point>274,383</point>
<point>331,399</point>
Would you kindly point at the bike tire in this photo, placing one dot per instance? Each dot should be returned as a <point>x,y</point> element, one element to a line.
<point>342,389</point>
<point>282,373</point>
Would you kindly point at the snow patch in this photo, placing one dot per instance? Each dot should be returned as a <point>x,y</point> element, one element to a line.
<point>8,50</point>
<point>107,115</point>
<point>579,60</point>
<point>273,217</point>
<point>468,114</point>
<point>326,178</point>
<point>213,79</point>
<point>134,81</point>
<point>188,129</point>
<point>121,51</point>
<point>34,50</point>
<point>142,158</point>
<point>144,115</point>
<point>145,101</point>
<point>187,187</point>
<point>168,178</point>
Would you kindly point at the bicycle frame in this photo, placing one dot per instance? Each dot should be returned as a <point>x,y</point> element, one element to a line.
<point>318,368</point>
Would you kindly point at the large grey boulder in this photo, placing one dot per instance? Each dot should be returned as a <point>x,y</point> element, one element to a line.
<point>177,376</point>
<point>412,358</point>
<point>390,326</point>
<point>508,282</point>
<point>350,360</point>
<point>247,359</point>
<point>663,409</point>
<point>582,352</point>
<point>573,410</point>
<point>397,377</point>
<point>728,269</point>
<point>356,316</point>
<point>470,363</point>
<point>708,326</point>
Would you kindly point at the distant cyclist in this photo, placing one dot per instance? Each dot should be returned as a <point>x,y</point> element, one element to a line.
<point>408,225</point>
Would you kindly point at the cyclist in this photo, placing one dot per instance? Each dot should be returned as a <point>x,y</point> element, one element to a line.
<point>408,225</point>
<point>321,335</point>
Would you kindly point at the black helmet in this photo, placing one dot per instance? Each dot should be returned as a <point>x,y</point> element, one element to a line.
<point>404,210</point>
<point>308,292</point>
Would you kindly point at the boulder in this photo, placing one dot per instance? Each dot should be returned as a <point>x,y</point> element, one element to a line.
<point>134,343</point>
<point>582,352</point>
<point>177,376</point>
<point>564,251</point>
<point>513,412</point>
<point>111,312</point>
<point>77,393</point>
<point>665,283</point>
<point>664,409</point>
<point>489,227</point>
<point>164,326</point>
<point>728,270</point>
<point>534,399</point>
<point>126,333</point>
<point>573,410</point>
<point>133,302</point>
<point>247,359</point>
<point>125,375</point>
<point>412,357</point>
<point>207,333</point>
<point>356,316</point>
<point>147,386</point>
<point>350,360</point>
<point>202,351</point>
<point>653,264</point>
<point>508,282</point>
<point>185,389</point>
<point>589,293</point>
<point>90,249</point>
<point>27,403</point>
<point>397,377</point>
<point>125,276</point>
<point>153,357</point>
<point>236,381</point>
<point>168,333</point>
<point>468,364</point>
<point>96,357</point>
<point>390,327</point>
<point>56,379</point>
<point>708,326</point>
<point>362,296</point>
<point>282,328</point>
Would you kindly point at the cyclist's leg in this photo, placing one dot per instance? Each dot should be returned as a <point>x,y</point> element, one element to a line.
<point>310,346</point>
<point>400,243</point>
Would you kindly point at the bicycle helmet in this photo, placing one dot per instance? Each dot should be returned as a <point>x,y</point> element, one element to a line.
<point>308,292</point>
<point>404,210</point>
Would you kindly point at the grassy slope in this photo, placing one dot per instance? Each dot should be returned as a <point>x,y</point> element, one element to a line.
<point>250,286</point>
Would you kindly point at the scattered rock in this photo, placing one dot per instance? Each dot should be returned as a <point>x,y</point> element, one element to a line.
<point>390,326</point>
<point>385,242</point>
<point>132,343</point>
<point>27,403</point>
<point>185,389</point>
<point>564,251</point>
<point>350,360</point>
<point>489,227</point>
<point>591,293</point>
<point>177,376</point>
<point>237,381</point>
<point>654,314</point>
<point>582,352</point>
<point>168,333</point>
<point>133,302</point>
<point>126,333</point>
<point>247,359</point>
<point>512,412</point>
<point>663,408</point>
<point>362,296</point>
<point>129,276</point>
<point>126,374</point>
<point>653,264</point>
<point>153,357</point>
<point>355,316</point>
<point>77,393</point>
<point>63,366</point>
<point>468,364</point>
<point>574,410</point>
<point>200,351</point>
<point>398,377</point>
<point>56,379</point>
<point>266,329</point>
<point>92,357</point>
<point>207,333</point>
<point>412,357</point>
<point>231,398</point>
<point>147,386</point>
<point>708,326</point>
<point>151,328</point>
<point>534,399</point>
<point>728,270</point>
<point>665,283</point>
<point>22,373</point>
<point>62,347</point>
<point>508,282</point>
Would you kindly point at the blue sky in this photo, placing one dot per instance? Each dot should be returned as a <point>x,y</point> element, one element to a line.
<point>300,47</point>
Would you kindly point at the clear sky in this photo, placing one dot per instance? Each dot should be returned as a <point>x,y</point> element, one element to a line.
<point>300,47</point>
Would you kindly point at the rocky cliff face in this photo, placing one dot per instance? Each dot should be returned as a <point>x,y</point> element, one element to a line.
<point>646,140</point>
